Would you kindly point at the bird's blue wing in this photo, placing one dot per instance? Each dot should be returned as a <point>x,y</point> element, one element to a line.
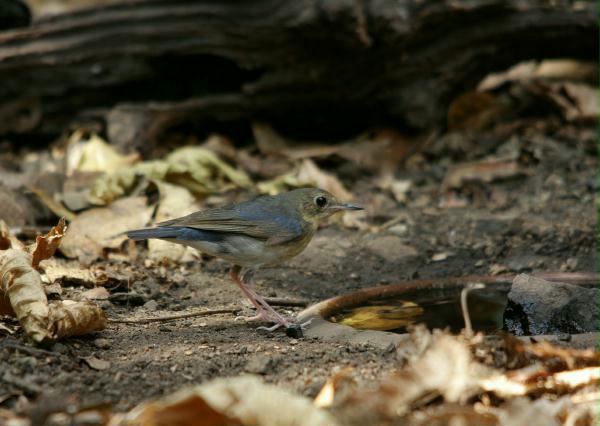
<point>258,218</point>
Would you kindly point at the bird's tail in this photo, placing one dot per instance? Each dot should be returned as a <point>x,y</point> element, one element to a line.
<point>144,234</point>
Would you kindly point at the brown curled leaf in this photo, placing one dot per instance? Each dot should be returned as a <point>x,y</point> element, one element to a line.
<point>240,401</point>
<point>21,285</point>
<point>69,318</point>
<point>7,240</point>
<point>22,292</point>
<point>46,245</point>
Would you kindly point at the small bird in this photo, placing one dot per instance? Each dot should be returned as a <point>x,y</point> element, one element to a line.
<point>266,230</point>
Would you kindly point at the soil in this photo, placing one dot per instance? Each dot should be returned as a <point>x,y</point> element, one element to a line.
<point>543,219</point>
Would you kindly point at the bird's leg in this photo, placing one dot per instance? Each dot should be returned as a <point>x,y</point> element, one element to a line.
<point>267,310</point>
<point>263,309</point>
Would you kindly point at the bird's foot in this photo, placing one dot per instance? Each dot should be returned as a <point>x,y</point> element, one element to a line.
<point>291,328</point>
<point>253,318</point>
<point>264,315</point>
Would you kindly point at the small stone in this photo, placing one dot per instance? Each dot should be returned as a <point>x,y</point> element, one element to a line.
<point>572,264</point>
<point>400,230</point>
<point>151,305</point>
<point>102,343</point>
<point>389,348</point>
<point>96,363</point>
<point>438,257</point>
<point>391,248</point>
<point>165,329</point>
<point>260,364</point>
<point>28,363</point>
<point>497,269</point>
<point>59,348</point>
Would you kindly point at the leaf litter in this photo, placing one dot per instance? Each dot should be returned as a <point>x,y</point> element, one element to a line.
<point>440,379</point>
<point>22,287</point>
<point>101,228</point>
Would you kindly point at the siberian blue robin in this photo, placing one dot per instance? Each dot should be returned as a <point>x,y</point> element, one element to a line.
<point>266,230</point>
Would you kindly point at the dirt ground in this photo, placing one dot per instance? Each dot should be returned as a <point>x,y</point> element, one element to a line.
<point>543,218</point>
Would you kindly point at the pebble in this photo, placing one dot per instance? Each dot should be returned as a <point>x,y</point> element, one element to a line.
<point>260,364</point>
<point>59,348</point>
<point>391,248</point>
<point>400,230</point>
<point>151,305</point>
<point>102,343</point>
<point>28,363</point>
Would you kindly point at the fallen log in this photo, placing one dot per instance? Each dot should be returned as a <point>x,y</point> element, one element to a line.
<point>338,66</point>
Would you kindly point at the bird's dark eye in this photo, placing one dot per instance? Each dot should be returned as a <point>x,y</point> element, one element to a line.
<point>321,201</point>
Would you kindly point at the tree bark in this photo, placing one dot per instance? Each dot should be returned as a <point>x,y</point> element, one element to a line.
<point>343,65</point>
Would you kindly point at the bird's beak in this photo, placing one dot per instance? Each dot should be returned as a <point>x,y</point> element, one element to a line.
<point>340,207</point>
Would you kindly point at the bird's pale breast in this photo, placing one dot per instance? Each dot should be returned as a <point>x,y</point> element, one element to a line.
<point>248,251</point>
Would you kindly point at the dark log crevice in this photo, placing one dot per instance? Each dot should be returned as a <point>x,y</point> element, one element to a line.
<point>343,64</point>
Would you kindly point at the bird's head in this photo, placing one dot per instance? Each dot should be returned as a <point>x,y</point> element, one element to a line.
<point>316,204</point>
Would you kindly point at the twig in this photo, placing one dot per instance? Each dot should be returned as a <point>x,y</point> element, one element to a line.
<point>175,317</point>
<point>27,349</point>
<point>465,308</point>
<point>282,301</point>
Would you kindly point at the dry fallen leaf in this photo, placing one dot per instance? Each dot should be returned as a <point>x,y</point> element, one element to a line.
<point>46,245</point>
<point>21,285</point>
<point>195,168</point>
<point>381,152</point>
<point>271,143</point>
<point>441,366</point>
<point>548,69</point>
<point>104,227</point>
<point>307,174</point>
<point>94,155</point>
<point>95,293</point>
<point>243,401</point>
<point>340,382</point>
<point>69,318</point>
<point>96,363</point>
<point>7,240</point>
<point>476,110</point>
<point>484,171</point>
<point>71,273</point>
<point>578,101</point>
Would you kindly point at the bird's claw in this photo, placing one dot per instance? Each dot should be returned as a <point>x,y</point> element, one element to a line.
<point>249,319</point>
<point>270,329</point>
<point>289,326</point>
